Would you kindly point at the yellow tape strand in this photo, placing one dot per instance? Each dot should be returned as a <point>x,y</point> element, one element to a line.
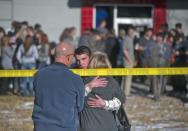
<point>105,72</point>
<point>17,73</point>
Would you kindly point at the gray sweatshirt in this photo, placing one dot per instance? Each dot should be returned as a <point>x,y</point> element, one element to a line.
<point>7,54</point>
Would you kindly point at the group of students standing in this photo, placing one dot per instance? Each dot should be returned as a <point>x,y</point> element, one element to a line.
<point>167,48</point>
<point>23,47</point>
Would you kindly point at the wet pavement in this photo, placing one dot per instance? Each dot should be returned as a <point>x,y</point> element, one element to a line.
<point>145,114</point>
<point>169,114</point>
<point>15,113</point>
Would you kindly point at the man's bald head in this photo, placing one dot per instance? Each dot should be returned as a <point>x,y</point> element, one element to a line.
<point>63,49</point>
<point>63,52</point>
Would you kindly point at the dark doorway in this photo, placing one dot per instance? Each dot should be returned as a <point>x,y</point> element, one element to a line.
<point>105,13</point>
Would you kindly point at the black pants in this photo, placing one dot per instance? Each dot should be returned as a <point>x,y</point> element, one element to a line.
<point>179,83</point>
<point>4,87</point>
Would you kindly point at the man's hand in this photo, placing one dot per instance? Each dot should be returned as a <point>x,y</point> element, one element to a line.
<point>127,57</point>
<point>97,102</point>
<point>97,82</point>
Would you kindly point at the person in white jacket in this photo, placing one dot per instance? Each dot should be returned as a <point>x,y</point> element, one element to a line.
<point>27,55</point>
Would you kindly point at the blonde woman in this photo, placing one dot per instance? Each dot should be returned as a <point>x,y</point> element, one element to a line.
<point>94,118</point>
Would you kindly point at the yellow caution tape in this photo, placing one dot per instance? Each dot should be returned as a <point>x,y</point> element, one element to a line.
<point>17,73</point>
<point>105,72</point>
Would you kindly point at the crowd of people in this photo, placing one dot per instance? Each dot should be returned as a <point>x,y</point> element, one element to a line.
<point>27,47</point>
<point>23,47</point>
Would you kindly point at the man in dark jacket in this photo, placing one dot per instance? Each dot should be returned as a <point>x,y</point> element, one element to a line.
<point>59,94</point>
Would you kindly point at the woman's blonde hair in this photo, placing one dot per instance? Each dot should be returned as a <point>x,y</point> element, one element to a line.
<point>5,41</point>
<point>27,43</point>
<point>99,60</point>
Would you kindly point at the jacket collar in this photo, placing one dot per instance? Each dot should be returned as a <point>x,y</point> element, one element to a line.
<point>61,64</point>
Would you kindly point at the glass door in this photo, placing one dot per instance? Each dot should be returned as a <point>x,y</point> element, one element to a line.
<point>104,12</point>
<point>140,16</point>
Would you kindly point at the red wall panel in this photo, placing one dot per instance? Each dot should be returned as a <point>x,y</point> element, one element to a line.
<point>159,13</point>
<point>86,17</point>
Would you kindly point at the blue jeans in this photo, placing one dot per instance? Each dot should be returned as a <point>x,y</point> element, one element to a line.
<point>27,79</point>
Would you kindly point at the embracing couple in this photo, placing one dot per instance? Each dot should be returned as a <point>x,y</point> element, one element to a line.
<point>66,102</point>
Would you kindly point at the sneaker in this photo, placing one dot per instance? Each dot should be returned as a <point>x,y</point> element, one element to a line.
<point>11,86</point>
<point>150,95</point>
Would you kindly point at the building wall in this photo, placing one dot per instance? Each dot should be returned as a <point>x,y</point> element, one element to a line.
<point>6,10</point>
<point>178,12</point>
<point>53,15</point>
